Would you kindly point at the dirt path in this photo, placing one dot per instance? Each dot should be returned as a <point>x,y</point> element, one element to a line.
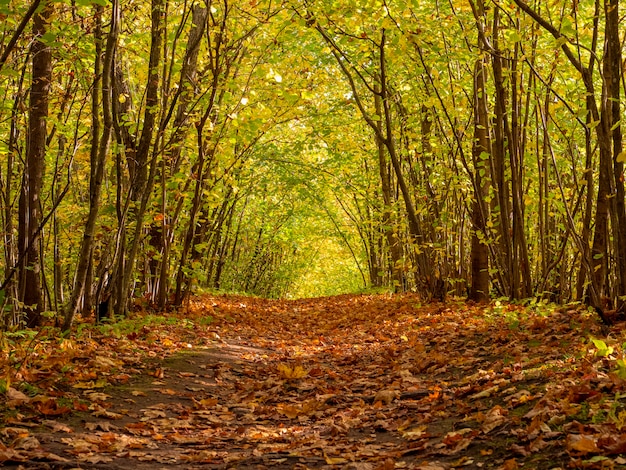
<point>353,382</point>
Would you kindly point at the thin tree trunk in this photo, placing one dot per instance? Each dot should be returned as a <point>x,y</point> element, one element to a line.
<point>612,68</point>
<point>142,185</point>
<point>7,193</point>
<point>389,226</point>
<point>99,152</point>
<point>30,217</point>
<point>481,149</point>
<point>181,124</point>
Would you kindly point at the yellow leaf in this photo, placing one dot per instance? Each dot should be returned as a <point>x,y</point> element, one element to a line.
<point>415,433</point>
<point>91,384</point>
<point>291,373</point>
<point>334,460</point>
<point>208,402</point>
<point>290,411</point>
<point>621,158</point>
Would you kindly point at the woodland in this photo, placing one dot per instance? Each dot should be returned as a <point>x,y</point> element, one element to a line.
<point>291,149</point>
<point>374,235</point>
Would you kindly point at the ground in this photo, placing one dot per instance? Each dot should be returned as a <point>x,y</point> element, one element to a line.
<point>370,382</point>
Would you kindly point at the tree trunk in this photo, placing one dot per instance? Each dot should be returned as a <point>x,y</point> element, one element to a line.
<point>99,152</point>
<point>481,149</point>
<point>186,90</point>
<point>612,68</point>
<point>143,182</point>
<point>389,226</point>
<point>30,217</point>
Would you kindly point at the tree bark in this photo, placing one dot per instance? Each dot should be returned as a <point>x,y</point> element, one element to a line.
<point>99,152</point>
<point>186,90</point>
<point>612,67</point>
<point>599,249</point>
<point>143,182</point>
<point>481,149</point>
<point>30,217</point>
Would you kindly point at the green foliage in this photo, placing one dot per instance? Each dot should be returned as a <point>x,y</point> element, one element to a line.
<point>285,191</point>
<point>126,326</point>
<point>602,349</point>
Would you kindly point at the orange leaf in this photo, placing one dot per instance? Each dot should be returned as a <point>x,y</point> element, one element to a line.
<point>51,408</point>
<point>510,464</point>
<point>582,443</point>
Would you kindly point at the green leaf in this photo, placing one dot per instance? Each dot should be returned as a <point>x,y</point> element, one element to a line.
<point>602,349</point>
<point>621,369</point>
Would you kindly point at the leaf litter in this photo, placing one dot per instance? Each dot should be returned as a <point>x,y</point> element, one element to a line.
<point>360,382</point>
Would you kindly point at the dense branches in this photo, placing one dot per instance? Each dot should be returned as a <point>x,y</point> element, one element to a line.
<point>285,148</point>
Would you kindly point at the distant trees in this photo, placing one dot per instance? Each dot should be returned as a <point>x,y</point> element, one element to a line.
<point>152,149</point>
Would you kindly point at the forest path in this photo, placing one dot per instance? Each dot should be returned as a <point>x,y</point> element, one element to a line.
<point>349,382</point>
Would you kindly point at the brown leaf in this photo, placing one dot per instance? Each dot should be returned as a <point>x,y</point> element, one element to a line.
<point>388,464</point>
<point>510,464</point>
<point>56,426</point>
<point>386,396</point>
<point>26,443</point>
<point>50,407</point>
<point>16,398</point>
<point>613,444</point>
<point>494,418</point>
<point>581,443</point>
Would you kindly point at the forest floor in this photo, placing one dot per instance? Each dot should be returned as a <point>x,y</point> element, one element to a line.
<point>370,382</point>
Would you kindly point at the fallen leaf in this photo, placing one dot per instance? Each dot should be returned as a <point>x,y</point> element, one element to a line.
<point>26,443</point>
<point>386,396</point>
<point>100,383</point>
<point>289,373</point>
<point>208,402</point>
<point>510,464</point>
<point>16,398</point>
<point>334,460</point>
<point>494,418</point>
<point>415,433</point>
<point>50,407</point>
<point>582,443</point>
<point>56,426</point>
<point>97,396</point>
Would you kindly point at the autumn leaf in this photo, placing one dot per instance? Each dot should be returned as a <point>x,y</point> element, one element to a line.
<point>50,407</point>
<point>385,396</point>
<point>100,383</point>
<point>583,444</point>
<point>97,396</point>
<point>208,402</point>
<point>510,464</point>
<point>293,411</point>
<point>494,418</point>
<point>415,433</point>
<point>16,398</point>
<point>290,373</point>
<point>334,460</point>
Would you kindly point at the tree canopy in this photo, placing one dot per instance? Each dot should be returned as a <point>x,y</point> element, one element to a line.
<point>298,148</point>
